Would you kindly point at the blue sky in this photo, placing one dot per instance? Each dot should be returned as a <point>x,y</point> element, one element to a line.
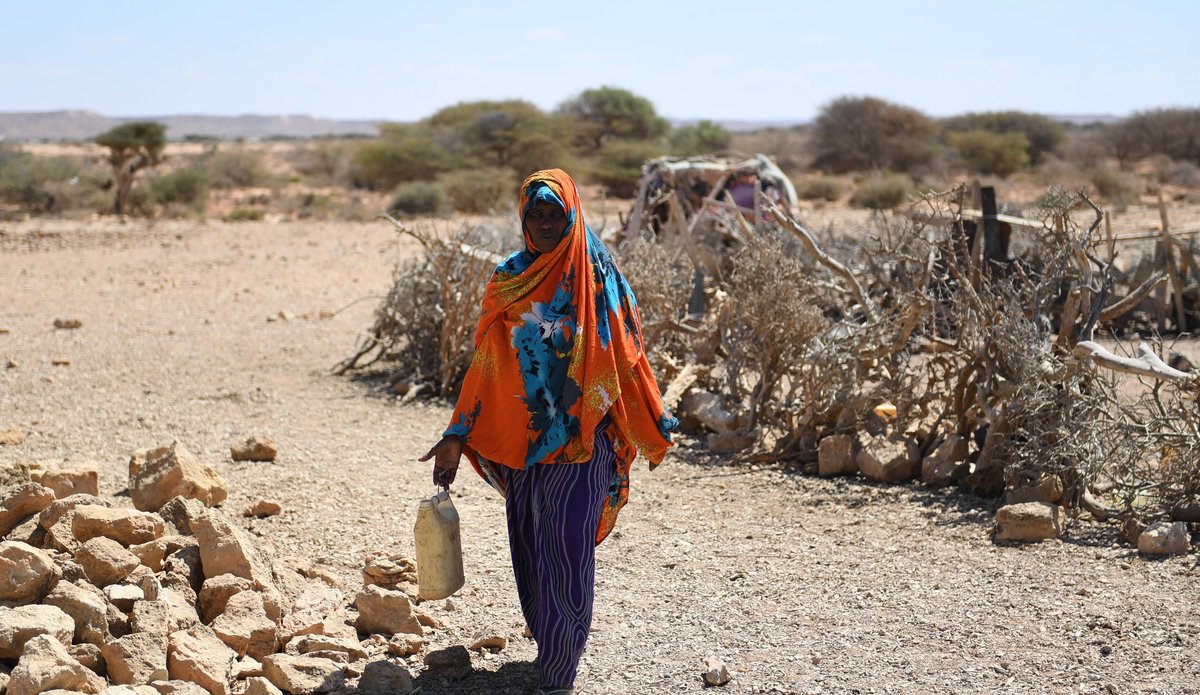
<point>761,60</point>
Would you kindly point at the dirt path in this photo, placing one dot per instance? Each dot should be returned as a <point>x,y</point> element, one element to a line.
<point>800,585</point>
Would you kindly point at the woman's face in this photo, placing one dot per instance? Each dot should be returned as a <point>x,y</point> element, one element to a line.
<point>545,223</point>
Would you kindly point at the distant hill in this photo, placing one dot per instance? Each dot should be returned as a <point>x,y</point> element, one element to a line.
<point>84,125</point>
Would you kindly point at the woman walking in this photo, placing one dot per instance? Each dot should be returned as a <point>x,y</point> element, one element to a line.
<point>557,403</point>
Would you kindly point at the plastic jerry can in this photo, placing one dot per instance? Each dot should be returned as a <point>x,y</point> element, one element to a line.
<point>439,548</point>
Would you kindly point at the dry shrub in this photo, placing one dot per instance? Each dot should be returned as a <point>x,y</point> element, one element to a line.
<point>819,188</point>
<point>479,191</point>
<point>882,191</point>
<point>765,328</point>
<point>661,279</point>
<point>418,198</point>
<point>425,326</point>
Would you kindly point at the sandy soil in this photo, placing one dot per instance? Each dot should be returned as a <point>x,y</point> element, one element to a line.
<point>800,585</point>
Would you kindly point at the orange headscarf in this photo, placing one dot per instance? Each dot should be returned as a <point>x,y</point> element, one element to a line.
<point>558,347</point>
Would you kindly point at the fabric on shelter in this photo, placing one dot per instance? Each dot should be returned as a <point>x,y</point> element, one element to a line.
<point>557,348</point>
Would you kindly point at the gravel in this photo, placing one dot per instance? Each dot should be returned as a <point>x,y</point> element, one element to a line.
<point>797,584</point>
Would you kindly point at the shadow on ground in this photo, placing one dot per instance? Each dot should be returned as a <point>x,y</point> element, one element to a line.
<point>512,678</point>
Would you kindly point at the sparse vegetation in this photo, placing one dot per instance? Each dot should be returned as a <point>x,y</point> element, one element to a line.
<point>865,133</point>
<point>882,191</point>
<point>824,188</point>
<point>987,152</point>
<point>418,198</point>
<point>132,147</point>
<point>479,190</point>
<point>619,165</point>
<point>701,138</point>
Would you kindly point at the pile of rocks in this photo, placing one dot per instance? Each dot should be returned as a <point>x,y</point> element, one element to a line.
<point>1032,510</point>
<point>172,597</point>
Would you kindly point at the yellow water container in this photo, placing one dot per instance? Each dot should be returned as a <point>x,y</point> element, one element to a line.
<point>439,548</point>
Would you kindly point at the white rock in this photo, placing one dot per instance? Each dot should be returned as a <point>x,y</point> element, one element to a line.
<point>1029,521</point>
<point>1164,538</point>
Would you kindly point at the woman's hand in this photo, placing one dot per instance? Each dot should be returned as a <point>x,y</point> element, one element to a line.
<point>446,455</point>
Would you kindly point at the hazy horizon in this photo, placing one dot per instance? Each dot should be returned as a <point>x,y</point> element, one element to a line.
<point>773,61</point>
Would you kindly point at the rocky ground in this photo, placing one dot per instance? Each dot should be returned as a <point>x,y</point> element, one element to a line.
<point>207,333</point>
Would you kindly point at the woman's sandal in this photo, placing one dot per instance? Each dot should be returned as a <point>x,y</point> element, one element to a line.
<point>555,691</point>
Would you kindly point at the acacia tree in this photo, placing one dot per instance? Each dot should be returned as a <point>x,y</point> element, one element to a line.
<point>132,147</point>
<point>612,113</point>
<point>863,133</point>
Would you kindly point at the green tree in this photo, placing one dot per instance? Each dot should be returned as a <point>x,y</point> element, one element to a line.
<point>1042,133</point>
<point>132,147</point>
<point>699,138</point>
<point>612,113</point>
<point>510,134</point>
<point>619,165</point>
<point>1171,132</point>
<point>989,152</point>
<point>403,152</point>
<point>863,133</point>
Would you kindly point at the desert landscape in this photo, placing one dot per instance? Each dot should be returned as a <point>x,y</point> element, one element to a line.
<point>208,332</point>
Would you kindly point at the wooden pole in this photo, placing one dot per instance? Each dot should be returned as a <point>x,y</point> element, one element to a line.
<point>1108,235</point>
<point>993,252</point>
<point>1172,271</point>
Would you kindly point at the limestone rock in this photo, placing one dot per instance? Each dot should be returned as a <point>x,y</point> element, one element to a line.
<point>199,656</point>
<point>28,531</point>
<point>405,645</point>
<point>153,553</point>
<point>58,521</point>
<point>105,561</point>
<point>1030,521</point>
<point>138,458</point>
<point>85,605</point>
<point>12,436</point>
<point>177,687</point>
<point>452,662</point>
<point>136,659</point>
<point>301,675</point>
<point>70,479</point>
<point>307,644</point>
<point>19,501</point>
<point>124,526</point>
<point>168,614</point>
<point>887,460</point>
<point>715,672</point>
<point>255,448</point>
<point>1164,538</point>
<point>123,596</point>
<point>835,455</point>
<point>60,507</point>
<point>257,685</point>
<point>245,627</point>
<point>385,678</point>
<point>185,563</point>
<point>385,611</point>
<point>45,665</point>
<point>489,641</point>
<point>180,512</point>
<point>262,509</point>
<point>313,611</point>
<point>23,623</point>
<point>175,473</point>
<point>247,667</point>
<point>216,593</point>
<point>1048,489</point>
<point>88,655</point>
<point>226,549</point>
<point>26,573</point>
<point>945,464</point>
<point>391,571</point>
